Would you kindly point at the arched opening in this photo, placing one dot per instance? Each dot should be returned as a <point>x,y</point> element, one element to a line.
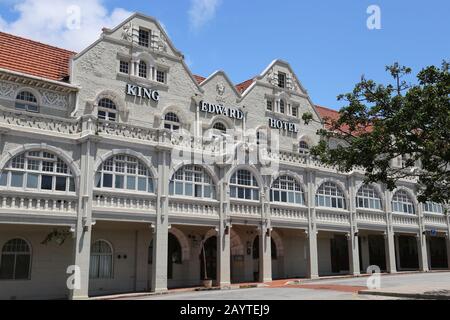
<point>255,255</point>
<point>107,110</point>
<point>26,101</point>
<point>15,260</point>
<point>208,260</point>
<point>101,262</point>
<point>173,256</point>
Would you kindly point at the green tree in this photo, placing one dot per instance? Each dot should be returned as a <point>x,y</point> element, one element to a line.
<point>381,123</point>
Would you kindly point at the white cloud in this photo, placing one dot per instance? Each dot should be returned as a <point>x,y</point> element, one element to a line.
<point>202,11</point>
<point>68,24</point>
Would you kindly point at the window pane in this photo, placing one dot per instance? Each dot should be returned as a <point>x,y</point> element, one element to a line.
<point>188,189</point>
<point>198,191</point>
<point>22,266</point>
<point>7,267</point>
<point>107,180</point>
<point>120,182</point>
<point>131,183</point>
<point>255,194</point>
<point>241,193</point>
<point>46,182</point>
<point>248,194</point>
<point>142,186</point>
<point>207,192</point>
<point>283,196</point>
<point>60,184</point>
<point>150,185</point>
<point>32,181</point>
<point>16,179</point>
<point>179,188</point>
<point>3,178</point>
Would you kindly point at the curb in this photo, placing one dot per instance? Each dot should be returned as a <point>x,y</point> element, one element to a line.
<point>419,296</point>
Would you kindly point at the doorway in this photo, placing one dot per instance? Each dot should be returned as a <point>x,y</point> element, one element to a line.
<point>408,252</point>
<point>438,253</point>
<point>377,251</point>
<point>339,254</point>
<point>208,257</point>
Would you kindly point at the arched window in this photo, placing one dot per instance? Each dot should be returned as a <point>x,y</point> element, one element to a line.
<point>282,106</point>
<point>26,101</point>
<point>433,207</point>
<point>124,173</point>
<point>171,121</point>
<point>330,196</point>
<point>220,127</point>
<point>286,189</point>
<point>401,202</point>
<point>107,110</point>
<point>368,198</point>
<point>192,181</point>
<point>38,170</point>
<point>142,72</point>
<point>243,185</point>
<point>101,264</point>
<point>15,260</point>
<point>303,147</point>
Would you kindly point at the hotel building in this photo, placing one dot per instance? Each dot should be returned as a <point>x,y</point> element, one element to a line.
<point>121,171</point>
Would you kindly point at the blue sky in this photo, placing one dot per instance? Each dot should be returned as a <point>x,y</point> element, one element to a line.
<point>327,42</point>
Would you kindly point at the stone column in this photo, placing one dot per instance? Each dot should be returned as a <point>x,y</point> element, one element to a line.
<point>447,213</point>
<point>389,235</point>
<point>161,235</point>
<point>422,242</point>
<point>353,245</point>
<point>265,239</point>
<point>312,254</point>
<point>224,239</point>
<point>83,229</point>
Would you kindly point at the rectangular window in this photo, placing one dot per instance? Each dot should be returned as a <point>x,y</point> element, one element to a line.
<point>142,184</point>
<point>161,76</point>
<point>281,80</point>
<point>207,192</point>
<point>294,111</point>
<point>107,180</point>
<point>120,182</point>
<point>150,185</point>
<point>269,105</point>
<point>7,267</point>
<point>16,179</point>
<point>144,37</point>
<point>22,266</point>
<point>131,183</point>
<point>124,67</point>
<point>32,181</point>
<point>188,189</point>
<point>3,178</point>
<point>198,191</point>
<point>46,182</point>
<point>71,184</point>
<point>60,184</point>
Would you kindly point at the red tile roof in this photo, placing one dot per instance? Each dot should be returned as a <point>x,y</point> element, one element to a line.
<point>199,79</point>
<point>241,87</point>
<point>33,58</point>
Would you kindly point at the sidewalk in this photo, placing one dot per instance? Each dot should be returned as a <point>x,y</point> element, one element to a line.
<point>412,292</point>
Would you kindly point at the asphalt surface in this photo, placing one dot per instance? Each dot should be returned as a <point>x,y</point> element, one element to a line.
<point>292,293</point>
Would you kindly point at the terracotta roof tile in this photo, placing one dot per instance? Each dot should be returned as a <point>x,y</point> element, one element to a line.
<point>199,79</point>
<point>241,87</point>
<point>333,115</point>
<point>33,58</point>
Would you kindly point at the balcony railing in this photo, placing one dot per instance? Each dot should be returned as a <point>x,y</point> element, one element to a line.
<point>35,204</point>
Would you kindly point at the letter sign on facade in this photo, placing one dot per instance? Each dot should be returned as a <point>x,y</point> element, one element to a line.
<point>146,93</point>
<point>232,113</point>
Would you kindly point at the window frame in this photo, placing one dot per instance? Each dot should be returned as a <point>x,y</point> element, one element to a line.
<point>282,80</point>
<point>402,199</point>
<point>107,110</point>
<point>281,187</point>
<point>368,194</point>
<point>16,253</point>
<point>330,196</point>
<point>251,189</point>
<point>172,121</point>
<point>101,254</point>
<point>37,164</point>
<point>120,165</point>
<point>191,177</point>
<point>25,103</point>
<point>144,41</point>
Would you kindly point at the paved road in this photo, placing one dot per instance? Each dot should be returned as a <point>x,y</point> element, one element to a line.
<point>288,293</point>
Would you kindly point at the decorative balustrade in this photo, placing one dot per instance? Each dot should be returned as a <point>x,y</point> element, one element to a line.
<point>405,219</point>
<point>245,209</point>
<point>33,204</point>
<point>371,217</point>
<point>124,202</point>
<point>41,122</point>
<point>435,219</point>
<point>288,213</point>
<point>127,131</point>
<point>332,217</point>
<point>192,208</point>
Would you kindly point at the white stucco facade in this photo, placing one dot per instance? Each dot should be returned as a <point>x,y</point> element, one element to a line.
<point>151,232</point>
